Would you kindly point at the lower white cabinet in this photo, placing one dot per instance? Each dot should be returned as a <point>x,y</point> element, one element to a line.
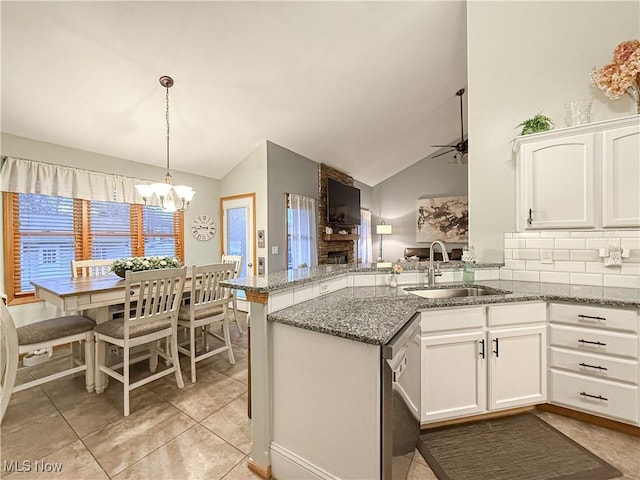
<point>474,368</point>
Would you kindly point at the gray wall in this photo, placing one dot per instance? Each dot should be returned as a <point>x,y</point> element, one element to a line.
<point>287,172</point>
<point>394,201</point>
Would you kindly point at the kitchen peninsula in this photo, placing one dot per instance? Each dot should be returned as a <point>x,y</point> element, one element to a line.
<point>342,309</point>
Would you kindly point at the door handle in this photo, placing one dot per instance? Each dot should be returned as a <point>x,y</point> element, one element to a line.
<point>497,350</point>
<point>249,265</point>
<point>530,219</point>
<point>482,351</point>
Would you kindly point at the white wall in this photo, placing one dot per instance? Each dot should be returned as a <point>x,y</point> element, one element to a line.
<point>250,176</point>
<point>204,202</point>
<point>395,199</point>
<point>523,58</point>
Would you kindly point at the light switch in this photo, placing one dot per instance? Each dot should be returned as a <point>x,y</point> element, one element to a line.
<point>274,250</point>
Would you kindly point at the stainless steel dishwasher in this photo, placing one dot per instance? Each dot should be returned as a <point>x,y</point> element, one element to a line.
<point>400,365</point>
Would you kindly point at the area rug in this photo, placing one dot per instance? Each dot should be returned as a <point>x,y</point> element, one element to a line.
<point>520,447</point>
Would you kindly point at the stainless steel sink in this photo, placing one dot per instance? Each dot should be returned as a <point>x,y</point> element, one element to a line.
<point>457,292</point>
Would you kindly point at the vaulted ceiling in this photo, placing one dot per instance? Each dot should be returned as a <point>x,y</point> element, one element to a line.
<point>366,87</point>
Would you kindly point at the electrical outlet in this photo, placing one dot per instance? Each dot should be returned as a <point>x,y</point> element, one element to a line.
<point>546,256</point>
<point>274,250</point>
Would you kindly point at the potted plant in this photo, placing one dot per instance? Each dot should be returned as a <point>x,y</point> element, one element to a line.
<point>537,123</point>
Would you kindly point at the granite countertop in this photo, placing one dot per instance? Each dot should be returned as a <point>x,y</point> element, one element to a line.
<point>374,315</point>
<point>290,278</point>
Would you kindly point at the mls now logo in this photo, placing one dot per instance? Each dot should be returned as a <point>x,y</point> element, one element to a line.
<point>28,466</point>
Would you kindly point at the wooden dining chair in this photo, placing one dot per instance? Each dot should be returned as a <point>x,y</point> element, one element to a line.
<point>90,268</point>
<point>152,300</point>
<point>208,305</point>
<point>237,261</point>
<point>45,334</point>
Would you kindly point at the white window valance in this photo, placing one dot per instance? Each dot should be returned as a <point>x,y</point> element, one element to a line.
<point>19,175</point>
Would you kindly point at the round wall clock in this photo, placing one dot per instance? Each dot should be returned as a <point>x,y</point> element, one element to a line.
<point>203,227</point>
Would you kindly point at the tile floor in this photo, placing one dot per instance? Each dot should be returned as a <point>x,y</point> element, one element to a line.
<point>200,432</point>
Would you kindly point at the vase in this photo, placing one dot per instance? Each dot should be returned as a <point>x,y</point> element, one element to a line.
<point>634,92</point>
<point>393,283</point>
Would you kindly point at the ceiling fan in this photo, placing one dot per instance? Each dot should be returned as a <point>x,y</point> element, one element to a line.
<point>462,147</point>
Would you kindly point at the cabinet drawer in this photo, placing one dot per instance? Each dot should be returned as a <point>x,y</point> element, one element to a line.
<point>594,341</point>
<point>598,366</point>
<point>452,319</point>
<point>617,400</point>
<point>513,314</point>
<point>112,296</point>
<point>594,316</point>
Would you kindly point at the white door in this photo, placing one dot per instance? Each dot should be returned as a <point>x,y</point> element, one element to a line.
<point>621,177</point>
<point>518,369</point>
<point>238,232</point>
<point>454,378</point>
<point>558,183</point>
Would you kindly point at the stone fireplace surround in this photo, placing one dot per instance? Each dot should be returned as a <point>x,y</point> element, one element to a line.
<point>327,244</point>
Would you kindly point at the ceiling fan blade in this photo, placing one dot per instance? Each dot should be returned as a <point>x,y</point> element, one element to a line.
<point>443,153</point>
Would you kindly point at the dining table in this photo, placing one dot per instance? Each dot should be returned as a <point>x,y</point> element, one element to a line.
<point>93,296</point>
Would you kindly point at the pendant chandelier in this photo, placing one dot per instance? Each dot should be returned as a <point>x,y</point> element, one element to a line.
<point>172,197</point>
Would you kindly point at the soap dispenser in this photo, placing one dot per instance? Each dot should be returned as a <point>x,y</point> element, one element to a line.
<point>469,259</point>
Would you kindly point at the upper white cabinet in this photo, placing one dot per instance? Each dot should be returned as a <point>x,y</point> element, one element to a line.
<point>580,177</point>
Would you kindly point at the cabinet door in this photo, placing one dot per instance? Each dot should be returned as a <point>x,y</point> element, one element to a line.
<point>558,183</point>
<point>621,177</point>
<point>453,376</point>
<point>517,373</point>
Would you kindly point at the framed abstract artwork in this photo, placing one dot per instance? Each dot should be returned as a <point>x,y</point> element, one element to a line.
<point>442,218</point>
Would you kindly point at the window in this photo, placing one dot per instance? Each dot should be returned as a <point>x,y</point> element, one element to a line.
<point>301,231</point>
<point>44,233</point>
<point>365,254</point>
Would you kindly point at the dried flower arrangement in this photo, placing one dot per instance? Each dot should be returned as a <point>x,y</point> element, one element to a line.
<point>622,75</point>
<point>137,264</point>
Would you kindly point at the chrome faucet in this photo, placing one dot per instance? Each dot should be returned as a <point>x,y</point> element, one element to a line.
<point>434,272</point>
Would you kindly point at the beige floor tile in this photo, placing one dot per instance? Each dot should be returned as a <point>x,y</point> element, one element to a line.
<point>242,472</point>
<point>232,424</point>
<point>417,457</point>
<point>419,471</point>
<point>220,363</point>
<point>124,442</point>
<point>211,392</point>
<point>194,454</point>
<point>32,428</point>
<point>89,412</point>
<point>73,462</point>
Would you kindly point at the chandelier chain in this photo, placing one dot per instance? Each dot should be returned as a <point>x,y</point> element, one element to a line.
<point>167,117</point>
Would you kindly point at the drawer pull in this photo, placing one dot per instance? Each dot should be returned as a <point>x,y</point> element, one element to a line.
<point>592,343</point>
<point>497,350</point>
<point>593,366</point>
<point>597,397</point>
<point>591,317</point>
<point>482,351</point>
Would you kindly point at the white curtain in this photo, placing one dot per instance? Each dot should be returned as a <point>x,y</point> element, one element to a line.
<point>27,176</point>
<point>302,231</point>
<point>365,248</point>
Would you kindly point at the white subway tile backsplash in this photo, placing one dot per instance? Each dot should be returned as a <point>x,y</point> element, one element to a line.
<point>570,243</point>
<point>495,274</point>
<point>508,235</point>
<point>587,234</point>
<point>634,257</point>
<point>599,267</point>
<point>596,243</point>
<point>626,233</point>
<point>520,254</point>
<point>506,274</point>
<point>585,255</point>
<point>630,243</point>
<point>561,255</point>
<point>586,279</point>
<point>555,234</point>
<point>630,268</point>
<point>526,235</point>
<point>537,266</point>
<point>508,254</point>
<point>625,281</point>
<point>515,264</point>
<point>540,243</point>
<point>480,275</point>
<point>563,266</point>
<point>514,243</point>
<point>555,277</point>
<point>525,276</point>
<point>364,280</point>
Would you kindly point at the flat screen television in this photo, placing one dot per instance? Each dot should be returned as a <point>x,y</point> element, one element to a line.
<point>343,204</point>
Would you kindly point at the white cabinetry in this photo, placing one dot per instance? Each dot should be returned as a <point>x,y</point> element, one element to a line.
<point>593,357</point>
<point>476,359</point>
<point>580,177</point>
